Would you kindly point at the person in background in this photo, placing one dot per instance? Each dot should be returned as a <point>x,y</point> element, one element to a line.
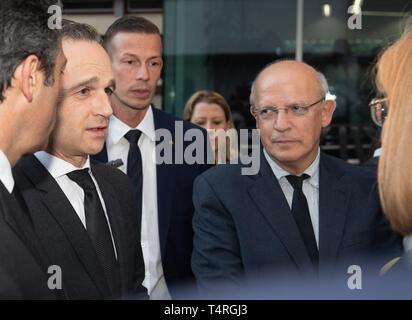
<point>209,110</point>
<point>166,209</point>
<point>304,214</point>
<point>394,81</point>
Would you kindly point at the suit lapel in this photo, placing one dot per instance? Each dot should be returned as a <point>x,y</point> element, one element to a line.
<point>25,232</point>
<point>268,197</point>
<point>332,211</point>
<point>113,211</point>
<point>60,208</point>
<point>165,178</point>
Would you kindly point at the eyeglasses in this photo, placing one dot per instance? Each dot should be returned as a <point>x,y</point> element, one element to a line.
<point>269,113</point>
<point>379,110</point>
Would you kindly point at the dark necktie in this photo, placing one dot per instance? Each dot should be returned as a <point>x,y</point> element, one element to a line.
<point>134,166</point>
<point>22,204</point>
<point>300,212</point>
<point>98,229</point>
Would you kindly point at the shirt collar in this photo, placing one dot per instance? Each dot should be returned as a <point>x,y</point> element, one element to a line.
<point>312,170</point>
<point>6,177</point>
<point>117,128</point>
<point>58,167</point>
<point>377,152</point>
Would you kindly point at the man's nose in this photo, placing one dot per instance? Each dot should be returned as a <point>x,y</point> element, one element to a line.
<point>282,121</point>
<point>142,73</point>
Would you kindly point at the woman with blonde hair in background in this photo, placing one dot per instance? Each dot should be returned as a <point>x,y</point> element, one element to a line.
<point>394,81</point>
<point>209,110</point>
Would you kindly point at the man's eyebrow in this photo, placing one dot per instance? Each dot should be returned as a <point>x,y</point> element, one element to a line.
<point>83,83</point>
<point>136,57</point>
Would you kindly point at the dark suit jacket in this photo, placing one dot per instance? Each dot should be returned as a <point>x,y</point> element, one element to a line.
<point>23,263</point>
<point>244,227</point>
<point>65,238</point>
<point>371,164</point>
<point>174,203</point>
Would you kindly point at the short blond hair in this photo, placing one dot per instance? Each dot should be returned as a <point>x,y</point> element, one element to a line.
<point>394,80</point>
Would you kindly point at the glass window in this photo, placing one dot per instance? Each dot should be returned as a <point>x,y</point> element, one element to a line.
<point>221,45</point>
<point>134,5</point>
<point>70,6</point>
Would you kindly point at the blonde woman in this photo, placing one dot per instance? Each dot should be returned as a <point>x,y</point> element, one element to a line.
<point>394,81</point>
<point>209,110</point>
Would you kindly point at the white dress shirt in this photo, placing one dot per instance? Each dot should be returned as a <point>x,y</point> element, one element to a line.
<point>310,188</point>
<point>6,177</point>
<point>59,169</point>
<point>118,148</point>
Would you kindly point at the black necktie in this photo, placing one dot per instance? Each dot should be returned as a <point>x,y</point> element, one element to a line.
<point>134,166</point>
<point>98,229</point>
<point>22,204</point>
<point>300,212</point>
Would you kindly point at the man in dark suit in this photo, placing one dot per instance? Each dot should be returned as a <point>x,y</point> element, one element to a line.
<point>31,61</point>
<point>304,214</point>
<point>84,212</point>
<point>166,210</point>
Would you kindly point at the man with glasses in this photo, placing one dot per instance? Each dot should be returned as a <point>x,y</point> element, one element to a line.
<point>304,214</point>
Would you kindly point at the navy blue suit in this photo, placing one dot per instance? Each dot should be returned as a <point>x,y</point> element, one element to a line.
<point>244,227</point>
<point>174,202</point>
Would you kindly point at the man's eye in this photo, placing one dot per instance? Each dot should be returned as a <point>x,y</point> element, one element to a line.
<point>298,109</point>
<point>108,91</point>
<point>266,111</point>
<point>84,91</point>
<point>154,63</point>
<point>129,61</point>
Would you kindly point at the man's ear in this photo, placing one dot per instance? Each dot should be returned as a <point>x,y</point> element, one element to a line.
<point>327,112</point>
<point>253,114</point>
<point>29,76</point>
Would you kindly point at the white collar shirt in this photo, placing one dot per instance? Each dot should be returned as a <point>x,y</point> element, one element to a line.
<point>310,188</point>
<point>118,148</point>
<point>6,177</point>
<point>58,169</point>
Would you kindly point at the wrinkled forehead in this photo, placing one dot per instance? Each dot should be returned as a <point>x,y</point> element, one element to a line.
<point>86,58</point>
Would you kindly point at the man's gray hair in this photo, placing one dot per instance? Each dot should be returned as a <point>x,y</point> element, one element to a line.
<point>79,31</point>
<point>322,82</point>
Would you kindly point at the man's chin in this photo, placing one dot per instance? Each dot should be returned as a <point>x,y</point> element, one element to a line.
<point>95,149</point>
<point>136,104</point>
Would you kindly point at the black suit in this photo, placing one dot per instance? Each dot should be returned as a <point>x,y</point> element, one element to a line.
<point>174,202</point>
<point>23,264</point>
<point>244,227</point>
<point>65,238</point>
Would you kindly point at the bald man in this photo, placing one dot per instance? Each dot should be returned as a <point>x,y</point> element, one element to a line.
<point>304,214</point>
